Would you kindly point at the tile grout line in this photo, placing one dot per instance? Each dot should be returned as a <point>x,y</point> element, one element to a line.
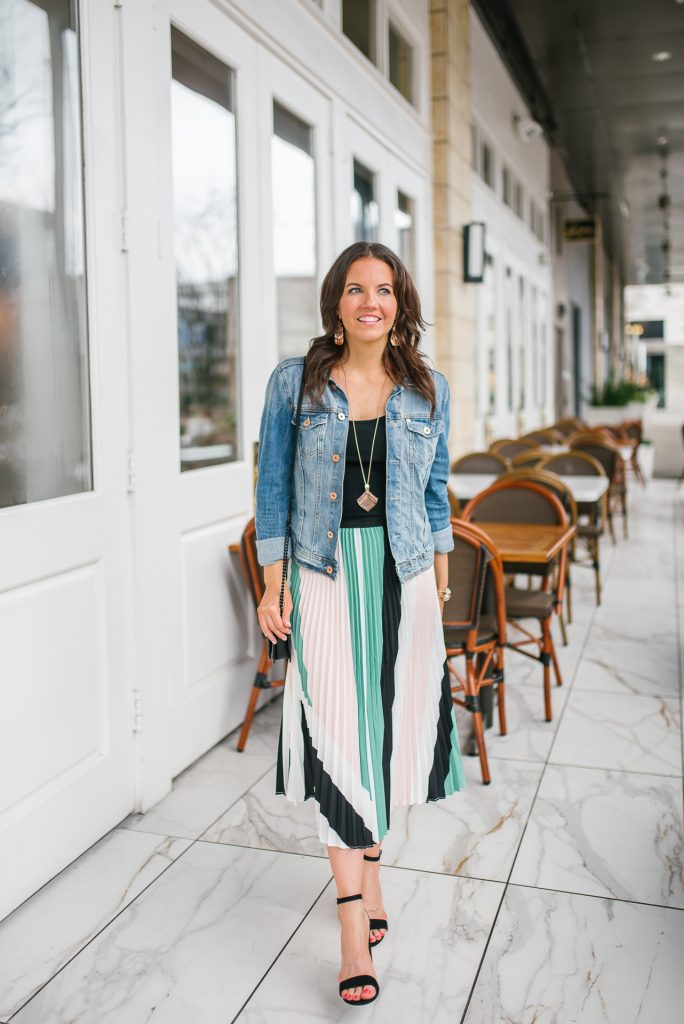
<point>507,881</point>
<point>191,842</point>
<point>282,950</point>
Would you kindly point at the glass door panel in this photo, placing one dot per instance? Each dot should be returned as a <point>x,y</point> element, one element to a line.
<point>206,253</point>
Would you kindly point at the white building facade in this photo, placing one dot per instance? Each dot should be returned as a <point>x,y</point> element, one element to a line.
<point>510,194</point>
<point>229,150</point>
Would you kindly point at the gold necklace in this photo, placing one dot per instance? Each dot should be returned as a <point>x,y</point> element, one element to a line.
<point>367,500</point>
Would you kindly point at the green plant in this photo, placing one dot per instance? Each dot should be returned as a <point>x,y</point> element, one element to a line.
<point>618,393</point>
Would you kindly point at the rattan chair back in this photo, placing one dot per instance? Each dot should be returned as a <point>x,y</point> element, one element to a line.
<point>510,446</point>
<point>251,570</point>
<point>604,450</point>
<point>515,501</point>
<point>572,463</point>
<point>527,458</point>
<point>480,462</point>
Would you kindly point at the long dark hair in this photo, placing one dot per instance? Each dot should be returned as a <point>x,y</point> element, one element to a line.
<point>403,363</point>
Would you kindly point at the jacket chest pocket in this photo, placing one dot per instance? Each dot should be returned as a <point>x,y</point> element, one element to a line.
<point>422,439</point>
<point>311,433</point>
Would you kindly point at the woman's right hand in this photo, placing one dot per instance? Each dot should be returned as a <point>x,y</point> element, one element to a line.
<point>273,625</point>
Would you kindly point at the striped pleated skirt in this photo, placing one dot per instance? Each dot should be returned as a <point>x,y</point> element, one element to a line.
<point>368,721</point>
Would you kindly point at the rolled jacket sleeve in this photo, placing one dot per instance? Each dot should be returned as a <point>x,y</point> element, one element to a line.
<point>274,470</point>
<point>436,497</point>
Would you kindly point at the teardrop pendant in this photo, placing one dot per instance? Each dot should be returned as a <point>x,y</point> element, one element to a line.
<point>367,500</point>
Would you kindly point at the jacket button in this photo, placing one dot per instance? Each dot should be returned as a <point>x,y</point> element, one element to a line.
<point>426,430</point>
<point>328,569</point>
<point>333,495</point>
<point>330,535</point>
<point>340,415</point>
<point>336,458</point>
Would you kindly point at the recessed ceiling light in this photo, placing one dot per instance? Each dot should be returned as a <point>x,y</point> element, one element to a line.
<point>661,55</point>
<point>662,140</point>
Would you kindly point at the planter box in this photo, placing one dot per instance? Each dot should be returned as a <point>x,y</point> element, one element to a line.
<point>595,415</point>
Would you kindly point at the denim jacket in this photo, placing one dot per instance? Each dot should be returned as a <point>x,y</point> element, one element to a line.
<point>417,504</point>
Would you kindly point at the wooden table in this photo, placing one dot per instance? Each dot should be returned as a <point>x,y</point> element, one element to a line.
<point>520,542</point>
<point>584,488</point>
<point>527,542</point>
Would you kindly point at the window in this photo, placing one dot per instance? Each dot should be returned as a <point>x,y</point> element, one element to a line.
<point>357,25</point>
<point>365,212</point>
<point>522,343</point>
<point>509,339</point>
<point>506,186</point>
<point>206,235</point>
<point>294,231</point>
<point>45,445</point>
<point>518,199</point>
<point>400,63</point>
<point>534,355</point>
<point>487,164</point>
<point>404,219</point>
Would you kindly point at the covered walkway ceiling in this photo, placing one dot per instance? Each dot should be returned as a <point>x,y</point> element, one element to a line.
<point>587,71</point>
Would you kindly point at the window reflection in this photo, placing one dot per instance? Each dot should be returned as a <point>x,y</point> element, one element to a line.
<point>44,397</point>
<point>400,63</point>
<point>294,231</point>
<point>404,219</point>
<point>206,249</point>
<point>364,208</point>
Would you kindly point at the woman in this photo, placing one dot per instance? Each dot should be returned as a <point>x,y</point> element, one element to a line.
<point>368,722</point>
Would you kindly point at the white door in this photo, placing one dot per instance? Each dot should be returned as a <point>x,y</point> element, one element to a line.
<point>66,730</point>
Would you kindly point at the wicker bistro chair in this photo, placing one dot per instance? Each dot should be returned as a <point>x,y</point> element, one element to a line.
<point>510,446</point>
<point>591,516</point>
<point>545,435</point>
<point>560,488</point>
<point>481,462</point>
<point>568,426</point>
<point>475,627</point>
<point>608,454</point>
<point>525,502</point>
<point>529,457</point>
<point>254,578</point>
<point>634,432</point>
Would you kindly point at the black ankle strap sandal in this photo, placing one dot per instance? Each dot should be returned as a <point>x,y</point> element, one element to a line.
<point>377,922</point>
<point>358,980</point>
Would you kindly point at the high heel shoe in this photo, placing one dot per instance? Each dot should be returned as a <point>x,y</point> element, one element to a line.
<point>358,980</point>
<point>377,922</point>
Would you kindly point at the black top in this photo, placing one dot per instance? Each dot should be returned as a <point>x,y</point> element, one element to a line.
<point>353,488</point>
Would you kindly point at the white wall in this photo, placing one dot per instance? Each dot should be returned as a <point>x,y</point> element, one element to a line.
<point>512,245</point>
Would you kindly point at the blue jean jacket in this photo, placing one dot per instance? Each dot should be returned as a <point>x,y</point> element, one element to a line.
<point>417,505</point>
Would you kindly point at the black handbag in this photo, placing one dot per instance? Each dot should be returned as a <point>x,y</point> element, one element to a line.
<point>281,649</point>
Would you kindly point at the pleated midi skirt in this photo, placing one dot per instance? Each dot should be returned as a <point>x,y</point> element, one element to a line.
<point>368,721</point>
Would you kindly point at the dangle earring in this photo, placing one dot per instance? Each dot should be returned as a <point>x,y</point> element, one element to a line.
<point>339,333</point>
<point>393,339</point>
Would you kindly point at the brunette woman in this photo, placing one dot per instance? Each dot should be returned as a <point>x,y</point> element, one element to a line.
<point>368,722</point>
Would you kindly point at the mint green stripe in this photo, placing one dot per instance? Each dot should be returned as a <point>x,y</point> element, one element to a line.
<point>373,548</point>
<point>296,626</point>
<point>455,780</point>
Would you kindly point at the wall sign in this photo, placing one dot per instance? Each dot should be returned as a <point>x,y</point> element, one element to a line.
<point>582,230</point>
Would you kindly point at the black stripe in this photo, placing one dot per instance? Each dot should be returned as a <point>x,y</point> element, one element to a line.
<point>333,805</point>
<point>391,617</point>
<point>442,755</point>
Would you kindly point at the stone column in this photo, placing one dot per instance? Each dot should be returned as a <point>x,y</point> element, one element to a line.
<point>454,301</point>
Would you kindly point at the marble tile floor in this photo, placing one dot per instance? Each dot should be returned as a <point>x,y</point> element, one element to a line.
<point>553,896</point>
